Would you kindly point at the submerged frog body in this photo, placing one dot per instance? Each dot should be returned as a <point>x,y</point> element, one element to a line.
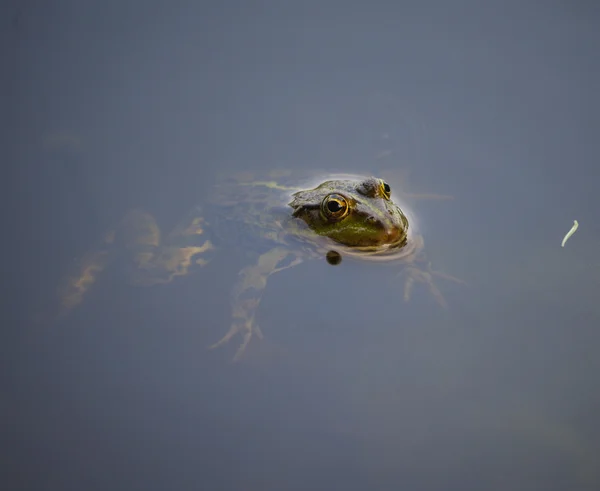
<point>338,216</point>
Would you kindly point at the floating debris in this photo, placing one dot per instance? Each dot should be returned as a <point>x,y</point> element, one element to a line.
<point>570,232</point>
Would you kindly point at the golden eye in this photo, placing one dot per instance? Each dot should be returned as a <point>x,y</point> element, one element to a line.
<point>385,189</point>
<point>334,206</point>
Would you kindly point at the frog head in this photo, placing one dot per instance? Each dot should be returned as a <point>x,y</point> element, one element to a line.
<point>354,213</point>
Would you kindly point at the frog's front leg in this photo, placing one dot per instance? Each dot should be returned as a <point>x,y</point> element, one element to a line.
<point>247,294</point>
<point>426,276</point>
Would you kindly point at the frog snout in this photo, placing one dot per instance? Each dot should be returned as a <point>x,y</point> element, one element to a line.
<point>388,232</point>
<point>394,233</point>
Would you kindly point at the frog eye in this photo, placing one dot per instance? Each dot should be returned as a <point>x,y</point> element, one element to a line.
<point>385,189</point>
<point>334,206</point>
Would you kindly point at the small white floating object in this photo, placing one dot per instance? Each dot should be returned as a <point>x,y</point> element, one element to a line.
<point>570,232</point>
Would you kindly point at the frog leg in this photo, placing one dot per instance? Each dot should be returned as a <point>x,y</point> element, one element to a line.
<point>136,228</point>
<point>247,294</point>
<point>85,273</point>
<point>137,237</point>
<point>415,274</point>
<point>159,262</point>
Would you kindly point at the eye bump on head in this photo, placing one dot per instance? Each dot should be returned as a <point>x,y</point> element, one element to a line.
<point>375,188</point>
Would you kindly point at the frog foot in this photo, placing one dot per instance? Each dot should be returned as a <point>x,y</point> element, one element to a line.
<point>243,324</point>
<point>426,276</point>
<point>248,292</point>
<point>246,328</point>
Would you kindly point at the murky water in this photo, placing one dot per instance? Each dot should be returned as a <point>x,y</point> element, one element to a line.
<point>124,106</point>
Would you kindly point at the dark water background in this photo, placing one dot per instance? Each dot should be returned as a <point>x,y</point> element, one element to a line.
<point>118,104</point>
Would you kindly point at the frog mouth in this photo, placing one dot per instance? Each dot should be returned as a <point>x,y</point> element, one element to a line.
<point>399,243</point>
<point>399,249</point>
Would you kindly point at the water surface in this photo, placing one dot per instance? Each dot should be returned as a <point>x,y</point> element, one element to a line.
<point>120,105</point>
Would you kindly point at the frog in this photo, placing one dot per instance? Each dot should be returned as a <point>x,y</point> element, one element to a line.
<point>282,221</point>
